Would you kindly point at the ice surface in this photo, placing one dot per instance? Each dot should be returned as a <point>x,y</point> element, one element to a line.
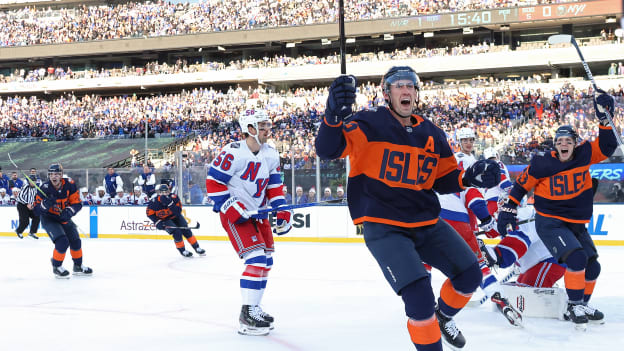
<point>145,296</point>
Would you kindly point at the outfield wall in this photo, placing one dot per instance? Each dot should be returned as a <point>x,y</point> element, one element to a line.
<point>321,223</point>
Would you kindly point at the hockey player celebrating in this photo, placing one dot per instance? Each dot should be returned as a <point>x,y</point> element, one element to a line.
<point>165,210</point>
<point>398,161</point>
<point>244,176</point>
<point>563,204</point>
<point>58,203</point>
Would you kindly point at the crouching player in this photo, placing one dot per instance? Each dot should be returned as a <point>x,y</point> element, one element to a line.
<point>241,179</point>
<point>56,203</point>
<point>165,210</point>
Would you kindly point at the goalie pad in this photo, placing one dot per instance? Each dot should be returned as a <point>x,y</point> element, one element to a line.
<point>537,302</point>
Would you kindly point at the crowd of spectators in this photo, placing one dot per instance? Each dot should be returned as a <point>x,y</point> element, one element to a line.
<point>491,111</point>
<point>32,26</point>
<point>277,61</point>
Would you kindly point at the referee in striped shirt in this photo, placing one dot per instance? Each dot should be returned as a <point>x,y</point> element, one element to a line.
<point>25,205</point>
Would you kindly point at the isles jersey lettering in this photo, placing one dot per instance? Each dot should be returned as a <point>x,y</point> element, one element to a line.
<point>563,190</point>
<point>402,166</point>
<point>250,177</point>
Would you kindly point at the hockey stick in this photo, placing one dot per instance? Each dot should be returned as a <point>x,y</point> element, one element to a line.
<point>174,227</point>
<point>292,207</point>
<point>524,221</point>
<point>567,38</point>
<point>505,279</point>
<point>24,174</point>
<point>342,39</point>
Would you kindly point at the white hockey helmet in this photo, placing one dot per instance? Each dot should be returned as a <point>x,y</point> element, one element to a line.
<point>489,153</point>
<point>84,189</point>
<point>100,188</point>
<point>465,133</point>
<point>137,188</point>
<point>252,117</point>
<point>15,189</point>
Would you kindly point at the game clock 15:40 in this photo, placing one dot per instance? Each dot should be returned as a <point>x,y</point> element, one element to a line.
<point>471,18</point>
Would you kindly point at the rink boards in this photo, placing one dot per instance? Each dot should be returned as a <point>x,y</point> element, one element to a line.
<point>318,224</point>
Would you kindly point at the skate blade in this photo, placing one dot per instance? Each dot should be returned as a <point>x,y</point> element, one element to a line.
<point>600,322</point>
<point>514,319</point>
<point>61,277</point>
<point>81,274</point>
<point>245,330</point>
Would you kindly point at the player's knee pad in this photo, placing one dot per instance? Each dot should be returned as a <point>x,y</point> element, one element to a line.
<point>593,269</point>
<point>576,260</point>
<point>468,281</point>
<point>419,299</point>
<point>187,233</point>
<point>61,244</point>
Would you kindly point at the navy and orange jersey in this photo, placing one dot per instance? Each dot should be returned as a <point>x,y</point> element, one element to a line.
<point>563,190</point>
<point>67,196</point>
<point>158,208</point>
<point>395,170</point>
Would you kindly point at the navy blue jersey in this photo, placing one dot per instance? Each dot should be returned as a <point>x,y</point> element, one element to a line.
<point>163,207</point>
<point>66,196</point>
<point>563,190</point>
<point>395,170</point>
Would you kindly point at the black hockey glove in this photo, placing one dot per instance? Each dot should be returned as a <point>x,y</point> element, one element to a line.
<point>66,215</point>
<point>602,102</point>
<point>341,97</point>
<point>48,203</point>
<point>160,225</point>
<point>507,218</point>
<point>482,174</point>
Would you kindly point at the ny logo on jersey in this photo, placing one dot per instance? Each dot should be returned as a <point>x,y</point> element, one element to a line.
<point>251,174</point>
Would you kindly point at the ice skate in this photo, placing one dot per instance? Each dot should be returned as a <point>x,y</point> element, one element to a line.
<point>502,304</point>
<point>82,270</point>
<point>200,251</point>
<point>267,317</point>
<point>33,235</point>
<point>60,272</point>
<point>186,253</point>
<point>593,315</point>
<point>251,323</point>
<point>451,335</point>
<point>576,314</point>
<point>19,235</point>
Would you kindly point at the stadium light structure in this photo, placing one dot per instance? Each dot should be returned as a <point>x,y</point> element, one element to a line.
<point>350,40</point>
<point>388,37</point>
<point>290,45</point>
<point>428,34</point>
<point>325,41</point>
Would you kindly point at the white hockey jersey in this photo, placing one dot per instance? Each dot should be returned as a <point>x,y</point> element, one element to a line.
<point>134,199</point>
<point>101,200</point>
<point>119,200</point>
<point>537,251</point>
<point>455,206</point>
<point>250,177</point>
